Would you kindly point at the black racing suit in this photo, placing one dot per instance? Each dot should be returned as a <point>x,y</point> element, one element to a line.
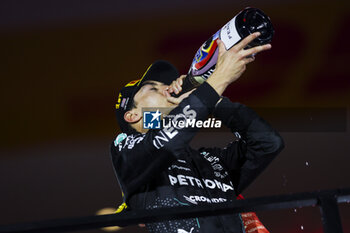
<point>159,169</point>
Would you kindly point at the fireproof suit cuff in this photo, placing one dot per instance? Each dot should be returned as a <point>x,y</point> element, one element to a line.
<point>207,95</point>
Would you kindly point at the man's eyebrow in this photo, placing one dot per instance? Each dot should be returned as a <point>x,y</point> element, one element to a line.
<point>148,83</point>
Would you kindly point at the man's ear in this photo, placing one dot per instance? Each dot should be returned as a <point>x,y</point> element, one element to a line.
<point>132,116</point>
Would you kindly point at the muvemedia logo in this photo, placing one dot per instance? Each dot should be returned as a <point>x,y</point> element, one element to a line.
<point>156,119</point>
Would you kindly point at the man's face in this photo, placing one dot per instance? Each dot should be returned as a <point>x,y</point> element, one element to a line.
<point>152,94</point>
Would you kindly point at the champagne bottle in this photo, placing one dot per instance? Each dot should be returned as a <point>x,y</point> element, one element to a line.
<point>246,22</point>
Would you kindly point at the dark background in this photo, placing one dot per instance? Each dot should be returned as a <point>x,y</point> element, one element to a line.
<point>63,63</point>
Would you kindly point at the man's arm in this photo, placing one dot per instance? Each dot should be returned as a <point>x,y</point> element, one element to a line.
<point>248,157</point>
<point>259,144</point>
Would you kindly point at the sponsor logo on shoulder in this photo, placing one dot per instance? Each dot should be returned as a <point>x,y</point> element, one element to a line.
<point>130,141</point>
<point>120,138</point>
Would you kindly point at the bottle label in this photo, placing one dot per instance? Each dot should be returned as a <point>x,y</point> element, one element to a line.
<point>205,57</point>
<point>229,34</point>
<point>204,61</point>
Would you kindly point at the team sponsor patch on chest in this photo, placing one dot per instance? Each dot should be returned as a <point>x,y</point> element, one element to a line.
<point>183,180</point>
